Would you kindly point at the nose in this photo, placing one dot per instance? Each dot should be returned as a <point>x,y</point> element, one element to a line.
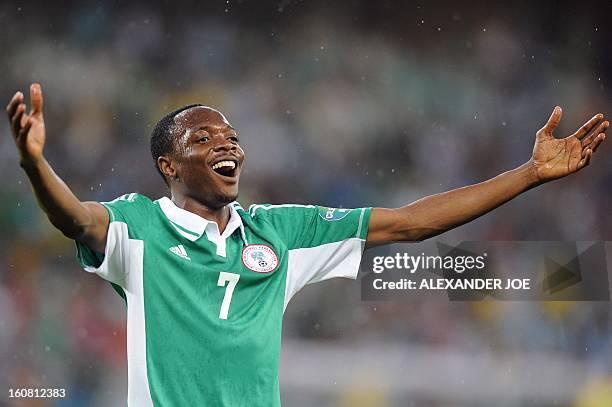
<point>224,144</point>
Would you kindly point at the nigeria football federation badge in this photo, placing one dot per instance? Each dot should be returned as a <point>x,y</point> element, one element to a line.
<point>259,258</point>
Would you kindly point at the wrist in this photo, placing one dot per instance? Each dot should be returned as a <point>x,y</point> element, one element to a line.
<point>31,164</point>
<point>529,173</point>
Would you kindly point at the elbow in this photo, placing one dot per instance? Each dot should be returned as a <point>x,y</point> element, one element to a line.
<point>74,229</point>
<point>418,234</point>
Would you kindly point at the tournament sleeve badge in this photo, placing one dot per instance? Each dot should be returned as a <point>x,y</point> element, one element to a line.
<point>332,214</point>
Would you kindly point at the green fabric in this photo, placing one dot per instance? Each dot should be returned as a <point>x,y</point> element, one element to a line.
<point>193,356</point>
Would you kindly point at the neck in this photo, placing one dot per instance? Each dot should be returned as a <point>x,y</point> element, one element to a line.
<point>220,216</point>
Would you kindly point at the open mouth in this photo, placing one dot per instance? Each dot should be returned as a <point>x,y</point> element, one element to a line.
<point>225,168</point>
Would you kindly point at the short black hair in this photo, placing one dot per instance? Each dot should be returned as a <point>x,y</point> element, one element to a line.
<point>162,137</point>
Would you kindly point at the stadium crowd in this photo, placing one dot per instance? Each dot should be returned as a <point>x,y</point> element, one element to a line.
<point>333,108</point>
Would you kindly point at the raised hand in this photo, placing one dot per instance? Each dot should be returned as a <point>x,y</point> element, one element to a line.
<point>28,128</point>
<point>555,158</point>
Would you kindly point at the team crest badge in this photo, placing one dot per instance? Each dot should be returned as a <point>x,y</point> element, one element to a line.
<point>332,214</point>
<point>259,258</point>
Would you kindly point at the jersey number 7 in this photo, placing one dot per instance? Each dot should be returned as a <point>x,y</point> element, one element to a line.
<point>232,280</point>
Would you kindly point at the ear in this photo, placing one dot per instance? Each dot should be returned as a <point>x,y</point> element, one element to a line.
<point>166,166</point>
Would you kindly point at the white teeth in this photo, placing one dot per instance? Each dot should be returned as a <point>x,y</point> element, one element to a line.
<point>230,164</point>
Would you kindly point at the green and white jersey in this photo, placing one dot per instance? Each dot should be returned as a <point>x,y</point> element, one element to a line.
<point>204,308</point>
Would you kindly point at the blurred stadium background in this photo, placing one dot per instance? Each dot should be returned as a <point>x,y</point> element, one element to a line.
<point>353,104</point>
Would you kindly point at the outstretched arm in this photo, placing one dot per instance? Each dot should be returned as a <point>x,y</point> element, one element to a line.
<point>552,158</point>
<point>86,222</point>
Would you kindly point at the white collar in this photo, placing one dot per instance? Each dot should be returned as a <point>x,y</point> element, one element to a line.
<point>193,226</point>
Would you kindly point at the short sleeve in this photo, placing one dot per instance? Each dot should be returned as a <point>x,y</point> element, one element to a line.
<point>322,242</point>
<point>127,220</point>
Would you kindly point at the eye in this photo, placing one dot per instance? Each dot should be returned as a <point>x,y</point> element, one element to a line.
<point>202,139</point>
<point>234,139</point>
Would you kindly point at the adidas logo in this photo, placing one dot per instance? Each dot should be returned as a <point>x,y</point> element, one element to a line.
<point>180,251</point>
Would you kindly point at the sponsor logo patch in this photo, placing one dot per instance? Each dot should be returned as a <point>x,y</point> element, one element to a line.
<point>332,214</point>
<point>180,251</point>
<point>259,258</point>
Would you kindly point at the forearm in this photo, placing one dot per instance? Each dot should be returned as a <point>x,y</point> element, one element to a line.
<point>65,211</point>
<point>438,213</point>
<point>551,159</point>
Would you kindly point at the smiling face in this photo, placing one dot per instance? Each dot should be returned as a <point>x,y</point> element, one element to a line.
<point>207,158</point>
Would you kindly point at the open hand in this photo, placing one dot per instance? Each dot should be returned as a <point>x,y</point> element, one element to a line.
<point>28,128</point>
<point>555,158</point>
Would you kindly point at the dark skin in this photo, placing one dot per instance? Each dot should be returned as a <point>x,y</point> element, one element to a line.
<point>204,138</point>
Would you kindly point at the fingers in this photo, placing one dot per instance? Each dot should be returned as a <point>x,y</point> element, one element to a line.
<point>552,122</point>
<point>598,141</point>
<point>16,110</point>
<point>588,126</point>
<point>11,108</point>
<point>26,128</point>
<point>16,119</point>
<point>591,143</point>
<point>586,160</point>
<point>595,131</point>
<point>595,143</point>
<point>36,98</point>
